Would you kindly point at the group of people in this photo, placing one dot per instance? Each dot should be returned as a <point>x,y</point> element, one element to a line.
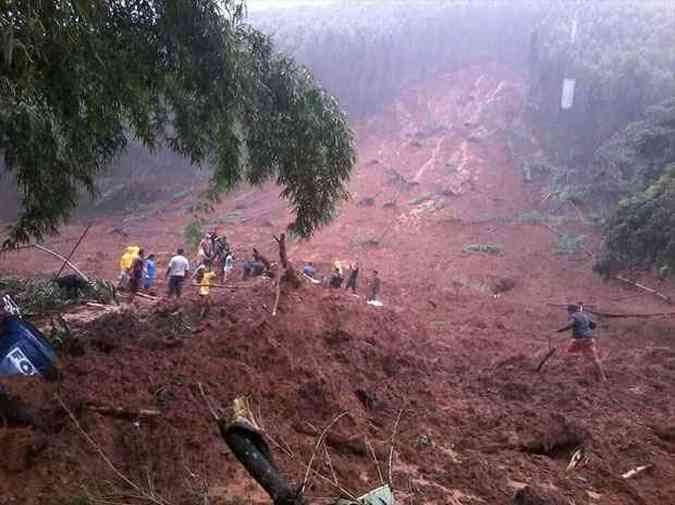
<point>214,260</point>
<point>136,270</point>
<point>337,278</point>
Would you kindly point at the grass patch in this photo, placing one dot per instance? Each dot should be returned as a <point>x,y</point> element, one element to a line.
<point>491,249</point>
<point>532,217</point>
<point>421,199</point>
<point>365,240</point>
<point>79,500</point>
<point>569,244</point>
<point>230,217</point>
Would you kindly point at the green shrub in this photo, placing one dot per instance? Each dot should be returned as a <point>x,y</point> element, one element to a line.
<point>569,244</point>
<point>641,232</point>
<point>193,234</point>
<point>37,296</point>
<point>492,249</point>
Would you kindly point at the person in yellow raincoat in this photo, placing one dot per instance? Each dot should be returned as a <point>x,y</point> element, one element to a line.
<point>204,281</point>
<point>126,261</point>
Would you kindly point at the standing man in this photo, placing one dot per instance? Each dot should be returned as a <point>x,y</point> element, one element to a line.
<point>583,341</point>
<point>374,285</point>
<point>136,273</point>
<point>353,275</point>
<point>178,269</point>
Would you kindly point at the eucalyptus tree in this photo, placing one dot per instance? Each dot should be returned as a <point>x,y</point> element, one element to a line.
<point>78,78</point>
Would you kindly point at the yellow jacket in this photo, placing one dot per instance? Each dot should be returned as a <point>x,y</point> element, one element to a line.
<point>127,258</point>
<point>205,283</point>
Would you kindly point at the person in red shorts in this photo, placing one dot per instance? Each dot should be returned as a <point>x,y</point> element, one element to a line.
<point>583,341</point>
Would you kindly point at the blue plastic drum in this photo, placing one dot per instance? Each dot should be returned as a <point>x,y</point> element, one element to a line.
<point>25,351</point>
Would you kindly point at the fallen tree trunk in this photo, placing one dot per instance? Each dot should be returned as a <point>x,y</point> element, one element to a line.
<point>663,297</point>
<point>247,443</point>
<point>628,316</point>
<point>120,412</point>
<point>148,297</point>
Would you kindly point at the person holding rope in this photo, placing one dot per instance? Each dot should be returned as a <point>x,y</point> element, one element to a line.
<point>583,340</point>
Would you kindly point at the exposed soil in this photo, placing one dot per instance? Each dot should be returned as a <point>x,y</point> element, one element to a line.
<point>455,346</point>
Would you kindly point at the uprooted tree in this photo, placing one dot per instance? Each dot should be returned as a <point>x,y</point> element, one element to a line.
<point>80,78</point>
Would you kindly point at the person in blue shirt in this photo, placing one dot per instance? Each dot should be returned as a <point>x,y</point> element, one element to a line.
<point>583,339</point>
<point>149,272</point>
<point>309,269</point>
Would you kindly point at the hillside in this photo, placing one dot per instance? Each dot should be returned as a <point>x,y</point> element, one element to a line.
<point>454,349</point>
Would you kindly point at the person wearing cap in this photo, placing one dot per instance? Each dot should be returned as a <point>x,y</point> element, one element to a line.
<point>583,340</point>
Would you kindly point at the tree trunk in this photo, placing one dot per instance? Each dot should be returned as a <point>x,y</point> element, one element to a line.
<point>253,453</point>
<point>290,275</point>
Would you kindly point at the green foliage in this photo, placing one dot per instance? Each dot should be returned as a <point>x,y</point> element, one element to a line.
<point>79,77</point>
<point>38,296</point>
<point>641,233</point>
<point>569,244</point>
<point>79,500</point>
<point>533,216</point>
<point>491,249</point>
<point>193,234</point>
<point>635,156</point>
<point>622,60</point>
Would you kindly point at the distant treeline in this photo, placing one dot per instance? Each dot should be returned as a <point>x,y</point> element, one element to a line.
<point>367,52</point>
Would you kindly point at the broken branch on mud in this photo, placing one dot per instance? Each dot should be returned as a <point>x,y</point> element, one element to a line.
<point>62,258</point>
<point>654,292</point>
<point>121,412</point>
<point>546,357</point>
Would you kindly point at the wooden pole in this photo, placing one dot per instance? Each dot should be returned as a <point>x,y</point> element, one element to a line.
<point>84,234</point>
<point>546,358</point>
<point>65,260</point>
<point>663,297</point>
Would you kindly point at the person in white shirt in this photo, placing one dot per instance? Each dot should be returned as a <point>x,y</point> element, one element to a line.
<point>178,270</point>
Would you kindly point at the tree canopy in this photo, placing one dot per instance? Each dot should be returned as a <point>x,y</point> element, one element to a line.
<point>641,232</point>
<point>79,77</point>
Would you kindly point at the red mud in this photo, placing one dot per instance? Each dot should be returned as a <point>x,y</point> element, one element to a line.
<point>455,346</point>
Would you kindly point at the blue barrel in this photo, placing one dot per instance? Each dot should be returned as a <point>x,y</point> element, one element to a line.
<point>25,351</point>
